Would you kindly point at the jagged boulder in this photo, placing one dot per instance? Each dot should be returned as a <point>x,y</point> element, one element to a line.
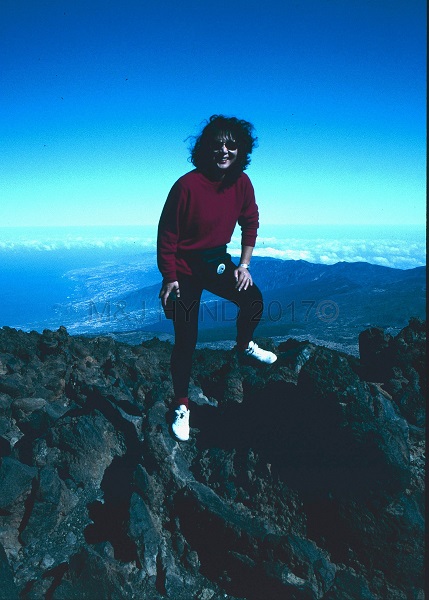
<point>302,480</point>
<point>354,436</point>
<point>399,363</point>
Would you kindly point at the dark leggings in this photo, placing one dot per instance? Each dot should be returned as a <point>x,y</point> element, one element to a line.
<point>186,311</point>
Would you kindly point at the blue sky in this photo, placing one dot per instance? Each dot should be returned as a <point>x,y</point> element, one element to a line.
<point>97,100</point>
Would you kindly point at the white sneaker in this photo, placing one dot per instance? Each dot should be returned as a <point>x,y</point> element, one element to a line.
<point>180,424</point>
<point>264,356</point>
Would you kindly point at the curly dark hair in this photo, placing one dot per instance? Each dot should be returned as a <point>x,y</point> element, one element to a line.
<point>240,131</point>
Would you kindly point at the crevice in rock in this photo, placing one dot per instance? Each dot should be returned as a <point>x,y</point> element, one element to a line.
<point>209,539</point>
<point>24,446</point>
<point>28,509</point>
<point>322,527</point>
<point>5,447</point>
<point>26,590</point>
<point>129,408</point>
<point>57,573</point>
<point>160,577</point>
<point>111,518</point>
<point>213,385</point>
<point>64,474</point>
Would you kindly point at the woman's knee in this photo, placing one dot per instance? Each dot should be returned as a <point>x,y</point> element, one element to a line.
<point>251,298</point>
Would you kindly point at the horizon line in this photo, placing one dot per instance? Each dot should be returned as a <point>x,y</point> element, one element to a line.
<point>134,225</point>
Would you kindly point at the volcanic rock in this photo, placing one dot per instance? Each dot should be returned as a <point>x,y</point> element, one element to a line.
<point>301,480</point>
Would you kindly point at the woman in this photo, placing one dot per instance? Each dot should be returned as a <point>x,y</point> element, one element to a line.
<point>197,222</point>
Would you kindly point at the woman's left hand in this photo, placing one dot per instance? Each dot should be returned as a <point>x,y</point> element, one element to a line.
<point>243,278</point>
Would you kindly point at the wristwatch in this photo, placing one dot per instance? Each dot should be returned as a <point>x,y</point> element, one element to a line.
<point>244,265</point>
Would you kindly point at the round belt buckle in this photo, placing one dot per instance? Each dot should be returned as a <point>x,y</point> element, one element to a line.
<point>220,269</point>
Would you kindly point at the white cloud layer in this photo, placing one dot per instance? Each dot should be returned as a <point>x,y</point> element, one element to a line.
<point>398,248</point>
<point>395,252</point>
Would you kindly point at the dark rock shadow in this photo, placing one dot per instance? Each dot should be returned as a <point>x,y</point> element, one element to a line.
<point>274,423</point>
<point>110,518</point>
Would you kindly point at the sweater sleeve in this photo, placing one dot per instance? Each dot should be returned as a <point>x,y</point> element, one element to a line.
<point>249,217</point>
<point>168,233</point>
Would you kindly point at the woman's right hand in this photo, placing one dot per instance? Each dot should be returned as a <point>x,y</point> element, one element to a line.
<point>166,289</point>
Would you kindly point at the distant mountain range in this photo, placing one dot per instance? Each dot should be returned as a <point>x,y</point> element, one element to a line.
<point>329,304</point>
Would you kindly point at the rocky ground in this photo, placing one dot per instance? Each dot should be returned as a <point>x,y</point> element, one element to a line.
<point>301,480</point>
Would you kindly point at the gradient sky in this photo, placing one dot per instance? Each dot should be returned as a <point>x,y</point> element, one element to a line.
<point>97,99</point>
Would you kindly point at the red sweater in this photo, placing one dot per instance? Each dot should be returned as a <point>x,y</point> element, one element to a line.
<point>197,215</point>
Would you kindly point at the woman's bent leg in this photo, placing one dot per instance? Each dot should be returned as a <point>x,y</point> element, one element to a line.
<point>250,306</point>
<point>249,302</point>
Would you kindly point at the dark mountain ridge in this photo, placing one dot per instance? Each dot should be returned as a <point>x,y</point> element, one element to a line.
<point>302,480</point>
<point>302,270</point>
<point>324,303</point>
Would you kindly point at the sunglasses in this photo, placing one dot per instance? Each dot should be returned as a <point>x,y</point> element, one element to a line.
<point>230,145</point>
